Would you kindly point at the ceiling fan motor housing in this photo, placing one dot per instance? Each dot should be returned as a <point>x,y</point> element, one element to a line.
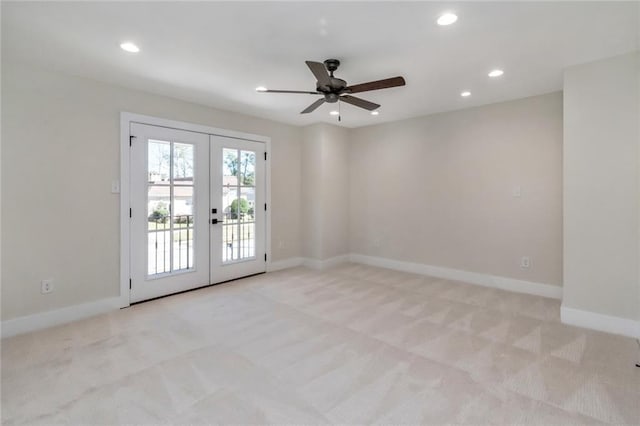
<point>337,85</point>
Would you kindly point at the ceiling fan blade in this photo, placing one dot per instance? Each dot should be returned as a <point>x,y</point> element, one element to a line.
<point>359,102</point>
<point>318,69</point>
<point>313,106</point>
<point>376,85</point>
<point>287,91</point>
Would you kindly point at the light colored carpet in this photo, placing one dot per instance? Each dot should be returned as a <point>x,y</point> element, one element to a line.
<point>356,344</point>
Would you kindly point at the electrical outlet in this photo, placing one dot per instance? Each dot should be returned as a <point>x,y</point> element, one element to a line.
<point>46,286</point>
<point>525,262</point>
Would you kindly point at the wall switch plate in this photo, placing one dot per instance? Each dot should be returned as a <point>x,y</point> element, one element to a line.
<point>46,286</point>
<point>517,191</point>
<point>115,186</point>
<point>525,262</point>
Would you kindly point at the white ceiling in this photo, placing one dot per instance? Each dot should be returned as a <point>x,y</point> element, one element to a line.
<point>217,53</point>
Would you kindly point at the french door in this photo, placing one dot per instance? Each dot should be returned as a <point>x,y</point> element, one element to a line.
<point>238,208</point>
<point>194,210</point>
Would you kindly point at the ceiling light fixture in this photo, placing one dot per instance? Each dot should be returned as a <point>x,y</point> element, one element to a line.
<point>447,19</point>
<point>127,46</point>
<point>374,113</point>
<point>496,73</point>
<point>261,89</point>
<point>465,94</point>
<point>334,113</point>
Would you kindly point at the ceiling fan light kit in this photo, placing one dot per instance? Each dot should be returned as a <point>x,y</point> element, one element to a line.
<point>335,89</point>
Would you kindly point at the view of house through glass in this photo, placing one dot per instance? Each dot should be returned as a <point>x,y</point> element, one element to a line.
<point>170,204</point>
<point>238,201</point>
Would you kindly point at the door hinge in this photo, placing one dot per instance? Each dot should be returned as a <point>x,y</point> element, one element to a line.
<point>130,212</point>
<point>131,138</point>
<point>265,257</point>
<point>265,207</point>
<point>265,156</point>
<point>129,283</point>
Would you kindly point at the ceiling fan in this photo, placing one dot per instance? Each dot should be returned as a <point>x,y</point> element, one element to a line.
<point>335,89</point>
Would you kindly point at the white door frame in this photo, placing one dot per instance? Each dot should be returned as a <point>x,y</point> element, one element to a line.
<point>126,118</point>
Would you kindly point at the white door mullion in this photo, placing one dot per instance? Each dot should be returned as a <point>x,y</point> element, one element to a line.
<point>171,193</point>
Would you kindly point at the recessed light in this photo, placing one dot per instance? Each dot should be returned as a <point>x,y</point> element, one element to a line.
<point>496,73</point>
<point>447,19</point>
<point>334,113</point>
<point>261,89</point>
<point>127,46</point>
<point>374,113</point>
<point>465,94</point>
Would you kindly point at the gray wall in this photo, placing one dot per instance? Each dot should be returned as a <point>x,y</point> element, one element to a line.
<point>438,190</point>
<point>325,197</point>
<point>601,190</point>
<point>60,143</point>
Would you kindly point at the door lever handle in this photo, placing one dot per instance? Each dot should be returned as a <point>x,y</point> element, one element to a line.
<point>215,221</point>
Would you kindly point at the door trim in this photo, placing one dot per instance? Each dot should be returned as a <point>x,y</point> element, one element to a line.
<point>126,118</point>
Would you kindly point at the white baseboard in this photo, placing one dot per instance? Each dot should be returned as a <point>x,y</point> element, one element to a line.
<point>503,283</point>
<point>48,319</point>
<point>600,322</point>
<point>291,262</point>
<point>327,263</point>
<point>42,320</point>
<point>569,316</point>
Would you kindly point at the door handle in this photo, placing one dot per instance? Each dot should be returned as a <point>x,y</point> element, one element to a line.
<point>215,221</point>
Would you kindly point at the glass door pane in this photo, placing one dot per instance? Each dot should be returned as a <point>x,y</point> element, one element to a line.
<point>238,201</point>
<point>170,207</point>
